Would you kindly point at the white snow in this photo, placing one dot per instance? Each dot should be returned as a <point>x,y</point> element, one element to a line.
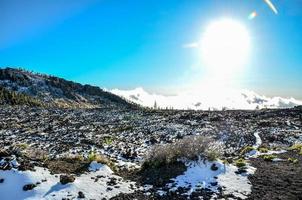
<point>200,175</point>
<point>14,180</point>
<point>12,162</point>
<point>95,166</point>
<point>235,184</point>
<point>279,160</point>
<point>207,98</point>
<point>258,140</point>
<point>255,153</point>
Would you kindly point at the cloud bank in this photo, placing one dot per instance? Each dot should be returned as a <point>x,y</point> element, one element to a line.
<point>205,100</point>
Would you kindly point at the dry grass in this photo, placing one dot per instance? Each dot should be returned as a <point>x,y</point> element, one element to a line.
<point>93,156</point>
<point>188,148</point>
<point>36,154</point>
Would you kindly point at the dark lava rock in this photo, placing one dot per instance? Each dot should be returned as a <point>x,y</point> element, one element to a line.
<point>29,186</point>
<point>4,153</point>
<point>214,167</point>
<point>5,166</point>
<point>64,179</point>
<point>241,171</point>
<point>112,182</point>
<point>81,195</point>
<point>1,180</point>
<point>214,183</point>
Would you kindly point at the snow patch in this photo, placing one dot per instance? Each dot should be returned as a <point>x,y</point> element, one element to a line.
<point>14,180</point>
<point>200,175</point>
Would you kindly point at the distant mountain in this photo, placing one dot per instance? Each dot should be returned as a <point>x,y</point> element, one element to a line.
<point>18,86</point>
<point>207,99</point>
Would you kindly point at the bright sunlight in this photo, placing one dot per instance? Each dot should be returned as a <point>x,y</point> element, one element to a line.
<point>225,47</point>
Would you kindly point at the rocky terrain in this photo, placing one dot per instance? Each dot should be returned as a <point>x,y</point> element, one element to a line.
<point>112,149</point>
<point>45,90</point>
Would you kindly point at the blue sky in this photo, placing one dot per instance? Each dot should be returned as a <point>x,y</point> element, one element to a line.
<point>131,43</point>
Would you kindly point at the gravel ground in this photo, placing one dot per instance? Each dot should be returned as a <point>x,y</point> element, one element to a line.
<point>43,136</point>
<point>277,180</point>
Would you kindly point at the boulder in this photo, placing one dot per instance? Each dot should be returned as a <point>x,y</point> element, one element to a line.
<point>64,179</point>
<point>29,186</point>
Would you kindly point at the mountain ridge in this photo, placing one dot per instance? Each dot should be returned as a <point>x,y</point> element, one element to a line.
<point>54,91</point>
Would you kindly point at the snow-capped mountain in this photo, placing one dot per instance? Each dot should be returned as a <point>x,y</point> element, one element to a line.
<point>206,99</point>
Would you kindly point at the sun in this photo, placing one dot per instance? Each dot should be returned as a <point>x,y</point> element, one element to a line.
<point>225,47</point>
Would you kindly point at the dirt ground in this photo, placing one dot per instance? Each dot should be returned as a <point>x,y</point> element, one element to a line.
<point>277,180</point>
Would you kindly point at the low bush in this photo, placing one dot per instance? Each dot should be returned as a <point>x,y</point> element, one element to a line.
<point>188,148</point>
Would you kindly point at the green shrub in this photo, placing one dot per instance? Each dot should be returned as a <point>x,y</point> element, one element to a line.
<point>107,140</point>
<point>240,163</point>
<point>15,98</point>
<point>296,147</point>
<point>263,150</point>
<point>293,160</point>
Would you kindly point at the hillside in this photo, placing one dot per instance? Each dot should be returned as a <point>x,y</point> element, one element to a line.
<point>29,88</point>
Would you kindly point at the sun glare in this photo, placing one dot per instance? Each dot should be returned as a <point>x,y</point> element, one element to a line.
<point>225,47</point>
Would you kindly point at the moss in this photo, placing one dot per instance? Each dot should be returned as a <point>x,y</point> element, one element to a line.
<point>268,157</point>
<point>263,150</point>
<point>296,147</point>
<point>293,160</point>
<point>240,163</point>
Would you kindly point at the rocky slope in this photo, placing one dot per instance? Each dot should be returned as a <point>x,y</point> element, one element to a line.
<point>54,91</point>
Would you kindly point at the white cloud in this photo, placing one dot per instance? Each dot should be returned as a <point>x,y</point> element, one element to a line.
<point>204,99</point>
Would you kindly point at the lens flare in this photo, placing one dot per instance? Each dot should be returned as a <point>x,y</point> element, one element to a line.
<point>253,15</point>
<point>271,5</point>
